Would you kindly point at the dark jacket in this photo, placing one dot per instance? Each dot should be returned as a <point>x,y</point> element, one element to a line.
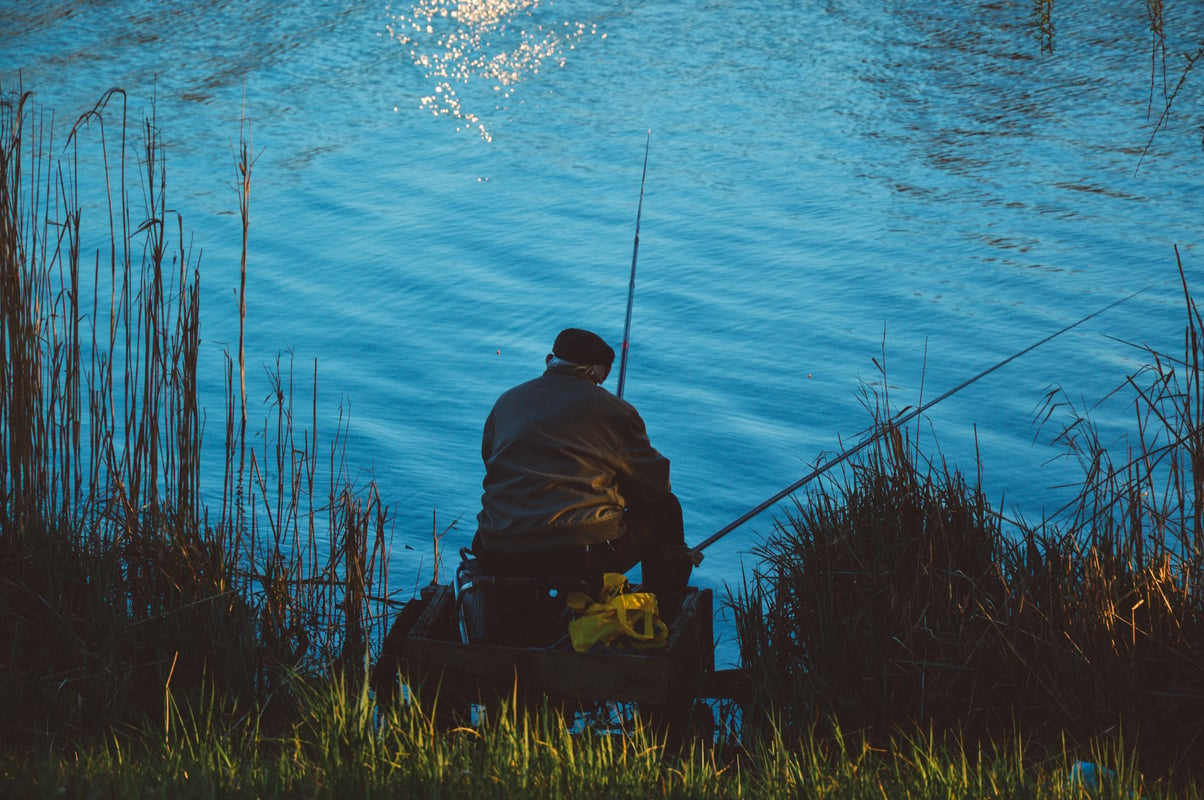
<point>563,457</point>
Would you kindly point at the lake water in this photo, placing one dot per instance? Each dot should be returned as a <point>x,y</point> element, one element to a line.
<point>440,186</point>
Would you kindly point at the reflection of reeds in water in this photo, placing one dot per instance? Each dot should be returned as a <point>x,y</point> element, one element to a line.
<point>898,598</point>
<point>1043,23</point>
<point>116,581</point>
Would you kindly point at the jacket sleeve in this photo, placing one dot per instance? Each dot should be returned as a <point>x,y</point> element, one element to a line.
<point>642,472</point>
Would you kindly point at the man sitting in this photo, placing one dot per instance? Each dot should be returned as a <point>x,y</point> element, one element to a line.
<point>572,485</point>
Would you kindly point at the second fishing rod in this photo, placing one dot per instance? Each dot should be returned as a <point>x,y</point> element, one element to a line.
<point>894,424</point>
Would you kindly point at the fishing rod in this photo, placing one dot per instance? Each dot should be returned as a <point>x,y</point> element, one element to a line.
<point>635,250</point>
<point>696,552</point>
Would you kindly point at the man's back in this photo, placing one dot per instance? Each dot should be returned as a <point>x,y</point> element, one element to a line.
<point>560,454</point>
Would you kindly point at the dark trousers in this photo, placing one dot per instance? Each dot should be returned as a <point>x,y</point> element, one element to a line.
<point>653,535</point>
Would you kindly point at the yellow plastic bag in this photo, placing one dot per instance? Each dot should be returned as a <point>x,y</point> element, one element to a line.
<point>617,617</point>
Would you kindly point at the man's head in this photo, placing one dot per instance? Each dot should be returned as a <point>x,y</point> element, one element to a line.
<point>583,347</point>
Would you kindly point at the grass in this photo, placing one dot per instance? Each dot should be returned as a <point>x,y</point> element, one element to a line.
<point>339,746</point>
<point>899,599</point>
<point>898,640</point>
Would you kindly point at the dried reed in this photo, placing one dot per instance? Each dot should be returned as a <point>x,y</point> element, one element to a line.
<point>115,580</point>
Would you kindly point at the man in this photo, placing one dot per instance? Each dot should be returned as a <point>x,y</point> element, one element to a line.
<point>572,485</point>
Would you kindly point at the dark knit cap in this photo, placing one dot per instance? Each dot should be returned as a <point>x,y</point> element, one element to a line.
<point>582,347</point>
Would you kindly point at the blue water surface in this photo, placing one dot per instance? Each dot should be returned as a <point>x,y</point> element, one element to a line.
<point>440,186</point>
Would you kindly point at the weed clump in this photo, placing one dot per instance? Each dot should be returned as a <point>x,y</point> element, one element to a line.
<point>898,600</point>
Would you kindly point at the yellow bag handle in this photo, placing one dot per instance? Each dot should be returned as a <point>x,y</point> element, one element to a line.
<point>609,617</point>
<point>630,605</point>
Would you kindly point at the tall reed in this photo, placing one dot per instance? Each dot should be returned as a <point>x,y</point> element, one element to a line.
<point>117,584</point>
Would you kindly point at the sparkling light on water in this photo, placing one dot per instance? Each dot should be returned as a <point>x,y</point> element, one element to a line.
<point>495,42</point>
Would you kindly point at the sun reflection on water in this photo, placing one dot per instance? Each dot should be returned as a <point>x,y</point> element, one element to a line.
<point>464,44</point>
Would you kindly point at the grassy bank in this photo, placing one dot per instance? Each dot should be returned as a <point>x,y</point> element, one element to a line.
<point>339,746</point>
<point>896,640</point>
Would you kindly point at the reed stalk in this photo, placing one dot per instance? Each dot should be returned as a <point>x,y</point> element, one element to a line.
<point>117,585</point>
